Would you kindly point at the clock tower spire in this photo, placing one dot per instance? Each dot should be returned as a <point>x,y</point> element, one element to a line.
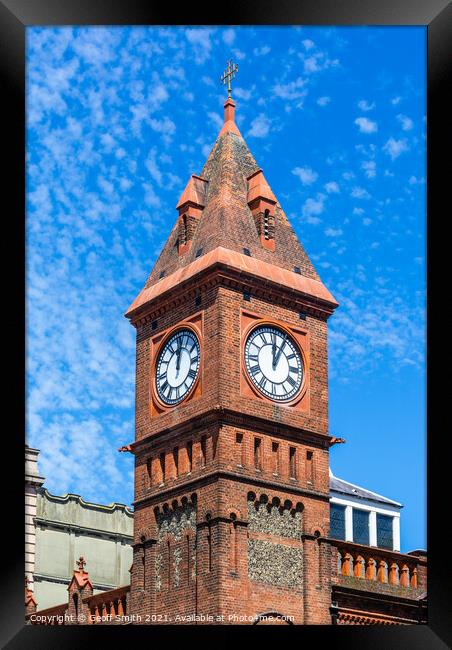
<point>231,444</point>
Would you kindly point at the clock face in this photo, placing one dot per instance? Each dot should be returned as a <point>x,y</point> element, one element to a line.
<point>273,362</point>
<point>177,366</point>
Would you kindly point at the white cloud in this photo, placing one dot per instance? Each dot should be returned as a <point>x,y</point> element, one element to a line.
<point>360,193</point>
<point>260,126</point>
<point>306,175</point>
<point>370,168</point>
<point>229,36</point>
<point>413,180</point>
<point>244,93</point>
<point>395,147</point>
<point>261,51</point>
<point>312,208</point>
<point>199,37</point>
<point>365,125</point>
<point>308,44</point>
<point>239,55</point>
<point>165,125</point>
<point>151,198</point>
<point>318,62</point>
<point>406,122</point>
<point>333,232</point>
<point>364,105</point>
<point>216,119</point>
<point>396,100</point>
<point>332,187</point>
<point>323,101</point>
<point>291,90</point>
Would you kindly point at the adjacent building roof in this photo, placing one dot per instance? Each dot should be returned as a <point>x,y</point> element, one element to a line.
<point>349,489</point>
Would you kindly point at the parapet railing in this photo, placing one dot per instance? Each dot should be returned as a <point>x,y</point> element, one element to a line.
<point>377,565</point>
<point>107,607</point>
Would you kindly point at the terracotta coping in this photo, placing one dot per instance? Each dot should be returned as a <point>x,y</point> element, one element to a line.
<point>195,192</point>
<point>238,261</point>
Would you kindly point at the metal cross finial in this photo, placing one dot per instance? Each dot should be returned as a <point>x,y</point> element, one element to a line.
<point>229,74</point>
<point>81,563</point>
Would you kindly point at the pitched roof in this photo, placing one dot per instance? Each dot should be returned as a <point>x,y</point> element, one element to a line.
<point>226,220</point>
<point>349,489</point>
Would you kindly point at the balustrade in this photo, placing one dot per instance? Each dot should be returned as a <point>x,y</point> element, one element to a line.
<point>377,565</point>
<point>105,607</point>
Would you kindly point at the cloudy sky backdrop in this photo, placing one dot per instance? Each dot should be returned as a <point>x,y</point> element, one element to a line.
<point>117,120</point>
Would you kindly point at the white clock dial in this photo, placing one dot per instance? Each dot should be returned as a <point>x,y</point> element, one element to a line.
<point>273,362</point>
<point>177,366</point>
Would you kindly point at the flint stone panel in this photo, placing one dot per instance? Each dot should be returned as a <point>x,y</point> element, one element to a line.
<point>273,520</point>
<point>173,523</point>
<point>274,564</point>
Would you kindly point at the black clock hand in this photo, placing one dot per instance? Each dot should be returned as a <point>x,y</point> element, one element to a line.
<point>178,352</point>
<point>278,354</point>
<point>273,351</point>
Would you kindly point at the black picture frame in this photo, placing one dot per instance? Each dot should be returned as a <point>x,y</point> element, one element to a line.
<point>15,15</point>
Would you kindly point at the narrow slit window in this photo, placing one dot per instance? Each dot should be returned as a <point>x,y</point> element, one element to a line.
<point>149,469</point>
<point>293,462</point>
<point>310,466</point>
<point>203,450</point>
<point>162,466</point>
<point>275,457</point>
<point>258,453</point>
<point>239,448</point>
<point>176,460</point>
<point>190,455</point>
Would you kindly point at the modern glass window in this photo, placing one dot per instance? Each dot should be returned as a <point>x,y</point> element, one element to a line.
<point>360,526</point>
<point>384,531</point>
<point>337,521</point>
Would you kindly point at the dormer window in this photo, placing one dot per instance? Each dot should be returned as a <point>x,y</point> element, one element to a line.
<point>183,230</point>
<point>262,204</point>
<point>190,206</point>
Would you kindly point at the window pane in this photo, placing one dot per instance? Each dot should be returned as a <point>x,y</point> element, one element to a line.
<point>360,526</point>
<point>337,521</point>
<point>384,531</point>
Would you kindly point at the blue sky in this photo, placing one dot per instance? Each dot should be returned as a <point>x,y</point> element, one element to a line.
<point>117,120</point>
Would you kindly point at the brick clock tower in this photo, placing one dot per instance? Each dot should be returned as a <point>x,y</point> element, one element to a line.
<point>232,443</point>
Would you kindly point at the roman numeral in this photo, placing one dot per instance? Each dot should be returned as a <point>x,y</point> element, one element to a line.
<point>291,356</point>
<point>262,383</point>
<point>291,381</point>
<point>177,392</point>
<point>194,360</point>
<point>192,373</point>
<point>293,369</point>
<point>164,386</point>
<point>254,370</point>
<point>273,389</point>
<point>253,357</point>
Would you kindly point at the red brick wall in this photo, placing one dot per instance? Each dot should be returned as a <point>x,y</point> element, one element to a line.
<point>225,423</point>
